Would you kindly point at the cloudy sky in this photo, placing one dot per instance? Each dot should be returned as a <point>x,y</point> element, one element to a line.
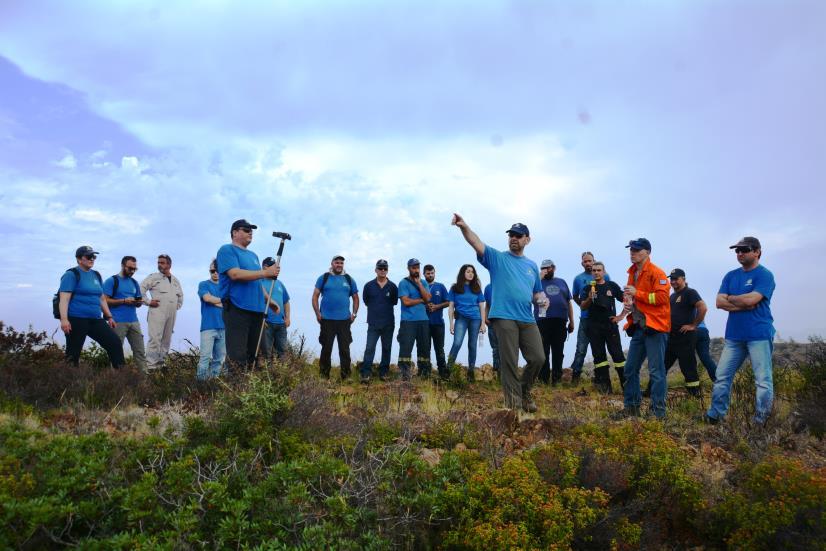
<point>359,127</point>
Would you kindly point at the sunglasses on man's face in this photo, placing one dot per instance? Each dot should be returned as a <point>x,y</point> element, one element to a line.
<point>516,235</point>
<point>213,271</point>
<point>743,250</point>
<point>132,268</point>
<point>90,256</point>
<point>246,230</point>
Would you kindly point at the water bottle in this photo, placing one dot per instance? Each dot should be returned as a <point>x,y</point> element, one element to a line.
<point>481,340</point>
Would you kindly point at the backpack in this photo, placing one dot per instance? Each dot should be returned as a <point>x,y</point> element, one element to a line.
<point>116,282</point>
<point>327,276</point>
<point>56,297</point>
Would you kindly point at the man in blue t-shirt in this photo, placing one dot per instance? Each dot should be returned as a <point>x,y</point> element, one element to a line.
<point>556,323</point>
<point>380,296</point>
<point>494,342</point>
<point>239,276</point>
<point>213,335</point>
<point>746,295</point>
<point>335,289</point>
<point>515,285</point>
<point>436,314</point>
<point>123,303</point>
<point>580,282</point>
<point>274,340</point>
<point>414,293</point>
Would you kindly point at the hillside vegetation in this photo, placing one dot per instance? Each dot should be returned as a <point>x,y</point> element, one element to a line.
<point>281,459</point>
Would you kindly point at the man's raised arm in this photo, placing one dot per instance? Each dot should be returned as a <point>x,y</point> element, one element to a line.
<point>469,235</point>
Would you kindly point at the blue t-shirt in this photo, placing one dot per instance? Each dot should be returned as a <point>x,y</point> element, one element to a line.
<point>756,324</point>
<point>580,282</point>
<point>335,297</point>
<point>211,315</point>
<point>438,295</point>
<point>408,289</point>
<point>514,280</point>
<point>85,302</point>
<point>243,294</point>
<point>467,303</point>
<point>558,296</point>
<point>280,296</point>
<point>380,302</point>
<point>127,287</point>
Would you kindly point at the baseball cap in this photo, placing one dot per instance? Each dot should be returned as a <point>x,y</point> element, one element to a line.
<point>267,262</point>
<point>84,250</point>
<point>238,224</point>
<point>675,273</point>
<point>519,228</point>
<point>381,263</point>
<point>752,242</point>
<point>547,263</point>
<point>413,262</point>
<point>337,257</point>
<point>639,243</point>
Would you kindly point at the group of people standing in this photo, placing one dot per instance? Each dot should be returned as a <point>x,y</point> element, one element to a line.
<point>525,308</point>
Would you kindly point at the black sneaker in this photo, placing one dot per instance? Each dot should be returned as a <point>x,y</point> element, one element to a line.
<point>708,420</point>
<point>365,380</point>
<point>383,378</point>
<point>575,379</point>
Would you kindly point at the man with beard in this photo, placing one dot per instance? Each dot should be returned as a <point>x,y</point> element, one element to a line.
<point>167,297</point>
<point>414,293</point>
<point>580,282</point>
<point>335,287</point>
<point>555,322</point>
<point>514,286</point>
<point>380,297</point>
<point>436,310</point>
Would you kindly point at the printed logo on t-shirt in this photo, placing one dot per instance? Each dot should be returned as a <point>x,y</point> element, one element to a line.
<point>609,293</point>
<point>663,282</point>
<point>748,282</point>
<point>679,298</point>
<point>552,290</point>
<point>344,284</point>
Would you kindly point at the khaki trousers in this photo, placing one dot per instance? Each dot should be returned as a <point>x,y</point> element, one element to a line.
<point>513,337</point>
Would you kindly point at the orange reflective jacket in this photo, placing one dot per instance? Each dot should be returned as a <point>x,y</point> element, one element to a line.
<point>652,297</point>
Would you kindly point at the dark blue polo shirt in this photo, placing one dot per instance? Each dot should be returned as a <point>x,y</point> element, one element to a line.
<point>380,302</point>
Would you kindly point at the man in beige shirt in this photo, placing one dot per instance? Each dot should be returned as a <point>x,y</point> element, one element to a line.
<point>167,297</point>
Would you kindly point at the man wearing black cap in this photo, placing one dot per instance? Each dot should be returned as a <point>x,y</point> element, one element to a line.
<point>335,287</point>
<point>648,324</point>
<point>242,295</point>
<point>555,322</point>
<point>380,296</point>
<point>687,312</point>
<point>274,339</point>
<point>746,295</point>
<point>414,293</point>
<point>515,285</point>
<point>167,297</point>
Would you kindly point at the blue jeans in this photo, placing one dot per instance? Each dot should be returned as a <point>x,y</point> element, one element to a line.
<point>494,346</point>
<point>734,353</point>
<point>463,325</point>
<point>644,346</point>
<point>374,333</point>
<point>274,341</point>
<point>704,352</point>
<point>581,347</point>
<point>213,352</point>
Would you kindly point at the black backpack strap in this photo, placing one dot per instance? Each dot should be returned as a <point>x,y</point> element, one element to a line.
<point>349,283</point>
<point>115,285</point>
<point>324,281</point>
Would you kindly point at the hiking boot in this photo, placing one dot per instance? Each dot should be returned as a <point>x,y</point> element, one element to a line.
<point>384,378</point>
<point>528,405</point>
<point>708,420</point>
<point>567,374</point>
<point>625,413</point>
<point>575,378</point>
<point>365,380</point>
<point>470,376</point>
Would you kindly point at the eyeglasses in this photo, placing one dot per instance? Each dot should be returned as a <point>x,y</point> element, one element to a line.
<point>743,250</point>
<point>90,256</point>
<point>213,271</point>
<point>382,269</point>
<point>131,269</point>
<point>246,230</point>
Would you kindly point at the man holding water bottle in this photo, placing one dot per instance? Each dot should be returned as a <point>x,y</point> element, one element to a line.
<point>515,285</point>
<point>554,322</point>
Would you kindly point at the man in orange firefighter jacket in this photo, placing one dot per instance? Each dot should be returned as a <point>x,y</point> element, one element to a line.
<point>648,324</point>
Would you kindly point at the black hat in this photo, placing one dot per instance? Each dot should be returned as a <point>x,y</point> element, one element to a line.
<point>675,273</point>
<point>639,243</point>
<point>413,262</point>
<point>238,224</point>
<point>337,257</point>
<point>519,228</point>
<point>267,262</point>
<point>382,263</point>
<point>85,250</point>
<point>752,242</point>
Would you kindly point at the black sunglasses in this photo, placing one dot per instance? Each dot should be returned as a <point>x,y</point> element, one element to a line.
<point>516,235</point>
<point>246,230</point>
<point>743,250</point>
<point>213,271</point>
<point>90,256</point>
<point>131,269</point>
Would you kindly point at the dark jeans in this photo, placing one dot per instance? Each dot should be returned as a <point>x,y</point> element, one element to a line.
<point>704,352</point>
<point>374,333</point>
<point>335,330</point>
<point>494,346</point>
<point>581,347</point>
<point>437,339</point>
<point>242,329</point>
<point>553,332</point>
<point>602,335</point>
<point>681,347</point>
<point>274,342</point>
<point>100,332</point>
<point>410,332</point>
